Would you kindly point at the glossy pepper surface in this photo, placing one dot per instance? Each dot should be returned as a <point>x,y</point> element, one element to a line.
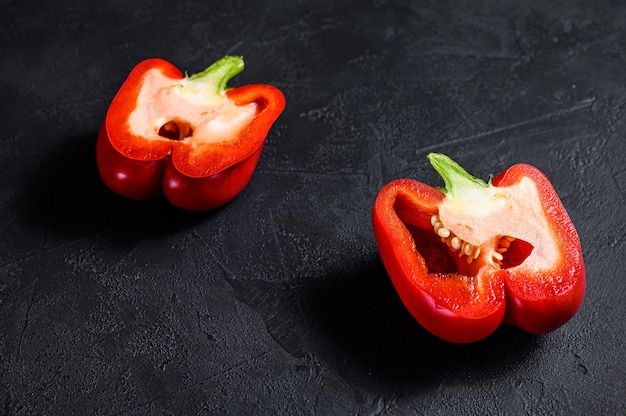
<point>475,254</point>
<point>192,138</point>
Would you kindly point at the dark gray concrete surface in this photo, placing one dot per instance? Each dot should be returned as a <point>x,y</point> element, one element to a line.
<point>278,303</point>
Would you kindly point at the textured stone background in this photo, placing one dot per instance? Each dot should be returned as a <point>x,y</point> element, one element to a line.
<point>278,303</point>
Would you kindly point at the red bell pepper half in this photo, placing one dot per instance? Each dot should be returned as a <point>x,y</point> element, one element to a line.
<point>475,254</point>
<point>192,138</point>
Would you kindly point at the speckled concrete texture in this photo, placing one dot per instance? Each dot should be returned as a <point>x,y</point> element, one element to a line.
<point>278,303</point>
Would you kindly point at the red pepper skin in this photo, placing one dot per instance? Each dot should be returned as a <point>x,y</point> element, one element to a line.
<point>134,179</point>
<point>140,168</point>
<point>201,194</point>
<point>409,201</point>
<point>447,304</point>
<point>540,308</point>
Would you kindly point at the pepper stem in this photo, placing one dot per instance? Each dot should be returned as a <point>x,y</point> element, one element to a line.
<point>458,182</point>
<point>215,77</point>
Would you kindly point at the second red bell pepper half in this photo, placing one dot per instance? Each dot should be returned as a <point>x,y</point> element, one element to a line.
<point>475,254</point>
<point>192,138</point>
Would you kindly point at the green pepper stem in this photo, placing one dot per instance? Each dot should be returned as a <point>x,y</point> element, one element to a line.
<point>218,74</point>
<point>458,182</point>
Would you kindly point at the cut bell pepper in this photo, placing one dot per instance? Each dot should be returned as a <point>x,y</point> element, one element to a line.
<point>473,255</point>
<point>192,138</point>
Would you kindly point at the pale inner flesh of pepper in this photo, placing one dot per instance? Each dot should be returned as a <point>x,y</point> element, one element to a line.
<point>166,111</point>
<point>467,250</point>
<point>483,225</point>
